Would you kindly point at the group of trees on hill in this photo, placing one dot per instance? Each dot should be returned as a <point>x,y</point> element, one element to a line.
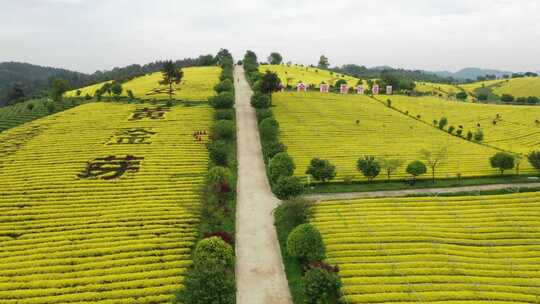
<point>22,81</point>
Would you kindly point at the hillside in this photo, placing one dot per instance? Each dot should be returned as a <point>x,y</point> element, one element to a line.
<point>197,84</point>
<point>101,204</point>
<point>507,127</point>
<point>325,126</point>
<point>292,75</point>
<point>466,249</point>
<point>437,89</point>
<point>519,87</point>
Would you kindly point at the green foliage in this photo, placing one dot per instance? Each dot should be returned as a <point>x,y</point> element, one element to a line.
<point>270,82</point>
<point>507,98</point>
<point>502,161</point>
<point>116,89</point>
<point>212,283</point>
<point>323,62</point>
<point>280,165</point>
<point>219,178</point>
<point>224,129</point>
<point>369,167</point>
<point>461,95</point>
<point>287,187</point>
<point>219,152</point>
<point>171,74</point>
<point>260,100</point>
<point>443,122</point>
<point>213,250</point>
<point>321,286</point>
<point>479,135</point>
<point>224,86</point>
<point>271,148</point>
<point>292,213</point>
<point>275,58</point>
<point>50,106</point>
<point>534,159</point>
<point>416,168</point>
<point>59,87</point>
<point>262,114</point>
<point>469,135</point>
<point>224,100</point>
<point>305,243</point>
<point>390,165</point>
<point>224,114</point>
<point>321,170</point>
<point>337,85</point>
<point>269,129</point>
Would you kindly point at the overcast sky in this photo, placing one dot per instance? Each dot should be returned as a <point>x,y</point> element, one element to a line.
<point>89,35</point>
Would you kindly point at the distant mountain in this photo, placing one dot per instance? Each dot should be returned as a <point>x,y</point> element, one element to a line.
<point>381,68</point>
<point>470,73</point>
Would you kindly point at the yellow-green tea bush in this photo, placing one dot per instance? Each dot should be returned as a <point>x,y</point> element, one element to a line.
<point>465,249</point>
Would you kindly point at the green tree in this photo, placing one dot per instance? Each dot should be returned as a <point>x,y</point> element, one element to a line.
<point>323,62</point>
<point>305,243</point>
<point>321,169</point>
<point>288,187</point>
<point>270,83</point>
<point>502,161</point>
<point>275,58</point>
<point>534,159</point>
<point>390,165</point>
<point>443,122</point>
<point>280,165</point>
<point>461,95</point>
<point>322,286</point>
<point>338,83</point>
<point>116,89</point>
<point>416,168</point>
<point>434,159</point>
<point>59,87</point>
<point>369,167</point>
<point>170,75</point>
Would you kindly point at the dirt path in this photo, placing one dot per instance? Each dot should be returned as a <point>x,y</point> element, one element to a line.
<point>260,276</point>
<point>427,191</point>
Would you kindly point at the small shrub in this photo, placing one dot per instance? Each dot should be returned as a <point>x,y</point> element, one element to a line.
<point>321,286</point>
<point>451,129</point>
<point>262,114</point>
<point>479,136</point>
<point>169,103</point>
<point>87,96</point>
<point>269,129</point>
<point>224,114</point>
<point>224,86</point>
<point>288,187</point>
<point>225,236</point>
<point>459,132</point>
<point>469,135</point>
<point>224,129</point>
<point>348,179</point>
<point>271,148</point>
<point>212,283</point>
<point>50,106</point>
<point>260,100</point>
<point>280,165</point>
<point>219,151</point>
<point>224,100</point>
<point>292,213</point>
<point>30,106</point>
<point>219,179</point>
<point>305,243</point>
<point>213,249</point>
<point>443,122</point>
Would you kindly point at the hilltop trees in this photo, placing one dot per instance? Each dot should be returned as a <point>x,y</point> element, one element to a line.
<point>275,58</point>
<point>171,75</point>
<point>323,62</point>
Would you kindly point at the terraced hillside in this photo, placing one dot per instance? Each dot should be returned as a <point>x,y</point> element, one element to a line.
<point>325,126</point>
<point>197,85</point>
<point>438,89</point>
<point>20,113</point>
<point>513,128</point>
<point>519,87</point>
<point>291,75</point>
<point>100,203</point>
<point>480,249</point>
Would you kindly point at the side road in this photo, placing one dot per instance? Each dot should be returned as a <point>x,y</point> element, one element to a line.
<point>260,275</point>
<point>427,191</point>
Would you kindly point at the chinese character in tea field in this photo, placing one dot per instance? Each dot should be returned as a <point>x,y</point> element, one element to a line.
<point>324,88</point>
<point>375,89</point>
<point>301,87</point>
<point>131,136</point>
<point>111,167</point>
<point>150,113</point>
